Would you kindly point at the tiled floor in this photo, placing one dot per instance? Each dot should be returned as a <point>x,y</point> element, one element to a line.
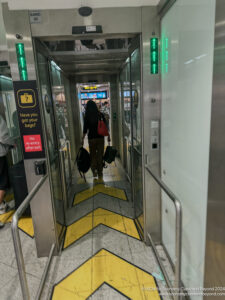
<point>103,258</point>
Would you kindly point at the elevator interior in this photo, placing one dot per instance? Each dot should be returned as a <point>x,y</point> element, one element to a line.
<point>54,53</point>
<point>62,67</point>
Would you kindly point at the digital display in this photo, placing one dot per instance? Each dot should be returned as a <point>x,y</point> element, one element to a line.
<point>126,94</point>
<point>94,95</point>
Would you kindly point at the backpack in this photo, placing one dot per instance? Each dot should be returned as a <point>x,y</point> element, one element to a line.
<point>83,161</point>
<point>110,154</point>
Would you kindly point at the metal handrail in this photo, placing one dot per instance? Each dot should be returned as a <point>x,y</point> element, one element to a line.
<point>45,273</point>
<point>176,289</point>
<point>63,174</point>
<point>17,242</point>
<point>69,160</point>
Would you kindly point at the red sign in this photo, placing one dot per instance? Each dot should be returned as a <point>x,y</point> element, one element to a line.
<point>32,143</point>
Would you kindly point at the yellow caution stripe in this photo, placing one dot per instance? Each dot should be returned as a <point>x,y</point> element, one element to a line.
<point>25,223</point>
<point>100,216</point>
<point>106,267</point>
<point>97,189</point>
<point>5,218</point>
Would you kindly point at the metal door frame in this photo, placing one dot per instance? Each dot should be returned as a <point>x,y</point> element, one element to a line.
<point>38,47</point>
<point>137,43</point>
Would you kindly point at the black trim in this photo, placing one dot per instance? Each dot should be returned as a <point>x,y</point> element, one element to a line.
<point>106,283</point>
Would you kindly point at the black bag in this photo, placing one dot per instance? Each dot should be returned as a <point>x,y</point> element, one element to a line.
<point>110,154</point>
<point>19,184</point>
<point>83,161</point>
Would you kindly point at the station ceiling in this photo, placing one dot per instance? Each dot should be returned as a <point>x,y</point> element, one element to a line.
<point>68,4</point>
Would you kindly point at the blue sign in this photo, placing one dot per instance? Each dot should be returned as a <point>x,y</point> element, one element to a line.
<point>94,95</point>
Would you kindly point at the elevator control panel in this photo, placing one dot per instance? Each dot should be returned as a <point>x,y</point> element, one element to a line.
<point>154,134</point>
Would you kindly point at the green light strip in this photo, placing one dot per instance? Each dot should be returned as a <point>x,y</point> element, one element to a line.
<point>154,55</point>
<point>21,59</point>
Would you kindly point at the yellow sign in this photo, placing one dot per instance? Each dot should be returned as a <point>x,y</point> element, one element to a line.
<point>90,87</point>
<point>26,99</point>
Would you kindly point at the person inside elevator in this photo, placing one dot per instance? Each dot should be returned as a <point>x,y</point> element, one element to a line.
<point>5,144</point>
<point>96,141</point>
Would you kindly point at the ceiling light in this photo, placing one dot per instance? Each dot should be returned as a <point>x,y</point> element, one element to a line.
<point>85,11</point>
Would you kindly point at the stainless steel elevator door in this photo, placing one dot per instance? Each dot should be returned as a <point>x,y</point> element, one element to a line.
<point>51,137</point>
<point>136,111</point>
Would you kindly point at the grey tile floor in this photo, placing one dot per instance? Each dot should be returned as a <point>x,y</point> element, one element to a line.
<point>128,248</point>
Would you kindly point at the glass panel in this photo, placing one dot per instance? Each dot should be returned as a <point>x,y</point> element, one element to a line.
<point>52,138</point>
<point>59,92</point>
<point>187,68</point>
<point>136,123</point>
<point>126,100</point>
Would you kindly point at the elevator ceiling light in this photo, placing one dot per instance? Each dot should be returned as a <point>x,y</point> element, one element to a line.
<point>21,59</point>
<point>85,11</point>
<point>154,55</point>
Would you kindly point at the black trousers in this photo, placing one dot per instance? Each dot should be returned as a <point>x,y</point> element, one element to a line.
<point>4,174</point>
<point>96,147</point>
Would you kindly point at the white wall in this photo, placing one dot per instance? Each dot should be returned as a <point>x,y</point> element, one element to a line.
<point>185,130</point>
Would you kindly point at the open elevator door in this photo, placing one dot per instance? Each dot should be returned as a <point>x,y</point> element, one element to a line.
<point>51,129</point>
<point>136,131</point>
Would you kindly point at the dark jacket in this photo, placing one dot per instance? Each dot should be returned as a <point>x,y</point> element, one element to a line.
<point>91,126</point>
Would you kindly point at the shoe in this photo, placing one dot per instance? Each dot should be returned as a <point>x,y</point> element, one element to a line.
<point>11,204</point>
<point>3,208</point>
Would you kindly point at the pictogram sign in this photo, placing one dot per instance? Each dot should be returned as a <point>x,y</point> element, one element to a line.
<point>29,119</point>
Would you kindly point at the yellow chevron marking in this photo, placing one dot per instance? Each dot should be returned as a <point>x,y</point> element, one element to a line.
<point>95,218</point>
<point>25,224</point>
<point>100,188</point>
<point>4,218</point>
<point>106,267</point>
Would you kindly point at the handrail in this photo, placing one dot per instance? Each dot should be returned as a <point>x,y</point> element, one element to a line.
<point>45,273</point>
<point>16,237</point>
<point>177,284</point>
<point>68,145</point>
<point>138,151</point>
<point>63,174</point>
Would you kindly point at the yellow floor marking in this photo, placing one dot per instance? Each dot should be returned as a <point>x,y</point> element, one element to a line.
<point>93,219</point>
<point>100,188</point>
<point>106,267</point>
<point>141,220</point>
<point>5,217</point>
<point>25,224</point>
